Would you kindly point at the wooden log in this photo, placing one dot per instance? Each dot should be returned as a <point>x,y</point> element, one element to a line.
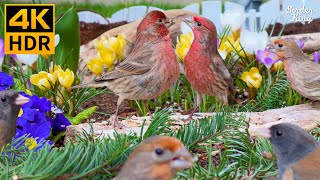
<point>311,41</point>
<point>305,116</point>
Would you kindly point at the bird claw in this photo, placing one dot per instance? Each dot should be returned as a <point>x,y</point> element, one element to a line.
<point>115,122</point>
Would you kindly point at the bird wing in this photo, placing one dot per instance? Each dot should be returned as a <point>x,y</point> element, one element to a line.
<point>221,68</point>
<point>311,77</point>
<point>307,168</point>
<point>134,64</point>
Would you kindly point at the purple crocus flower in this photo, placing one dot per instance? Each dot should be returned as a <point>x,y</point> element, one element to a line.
<point>300,43</point>
<point>267,58</point>
<point>316,57</point>
<point>1,49</point>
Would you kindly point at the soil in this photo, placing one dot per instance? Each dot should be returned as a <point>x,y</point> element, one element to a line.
<point>90,31</point>
<point>295,28</point>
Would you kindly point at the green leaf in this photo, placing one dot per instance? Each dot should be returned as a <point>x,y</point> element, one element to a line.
<point>18,85</point>
<point>67,51</point>
<point>83,115</point>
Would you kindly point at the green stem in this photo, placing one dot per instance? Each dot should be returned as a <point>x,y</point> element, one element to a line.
<point>269,77</point>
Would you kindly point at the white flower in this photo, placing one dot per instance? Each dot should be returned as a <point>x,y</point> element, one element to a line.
<point>30,59</point>
<point>233,17</point>
<point>253,41</point>
<point>223,54</point>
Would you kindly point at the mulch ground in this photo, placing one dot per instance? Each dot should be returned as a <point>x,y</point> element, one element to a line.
<point>295,28</point>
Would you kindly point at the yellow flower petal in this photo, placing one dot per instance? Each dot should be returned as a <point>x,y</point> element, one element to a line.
<point>107,56</point>
<point>20,112</point>
<point>95,66</point>
<point>66,78</point>
<point>31,143</point>
<point>252,78</point>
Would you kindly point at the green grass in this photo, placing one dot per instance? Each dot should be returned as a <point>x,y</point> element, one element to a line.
<point>105,9</point>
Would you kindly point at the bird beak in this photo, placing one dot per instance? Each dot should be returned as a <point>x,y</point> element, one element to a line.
<point>182,159</point>
<point>271,47</point>
<point>169,23</point>
<point>189,22</point>
<point>21,100</point>
<point>260,131</point>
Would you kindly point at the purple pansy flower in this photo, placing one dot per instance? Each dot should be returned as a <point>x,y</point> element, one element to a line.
<point>267,58</point>
<point>41,104</point>
<point>316,57</point>
<point>60,122</point>
<point>6,81</point>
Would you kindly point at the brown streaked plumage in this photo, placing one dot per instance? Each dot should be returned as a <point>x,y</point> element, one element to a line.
<point>205,69</point>
<point>303,74</point>
<point>149,70</point>
<point>10,104</point>
<point>156,158</point>
<point>297,151</point>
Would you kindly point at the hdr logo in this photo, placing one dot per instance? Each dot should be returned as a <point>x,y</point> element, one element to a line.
<point>29,28</point>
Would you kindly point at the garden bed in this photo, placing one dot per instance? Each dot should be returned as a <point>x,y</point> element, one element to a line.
<point>294,28</point>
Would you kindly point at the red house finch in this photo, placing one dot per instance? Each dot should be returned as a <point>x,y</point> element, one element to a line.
<point>158,157</point>
<point>302,73</point>
<point>204,67</point>
<point>10,104</point>
<point>149,70</point>
<point>297,152</point>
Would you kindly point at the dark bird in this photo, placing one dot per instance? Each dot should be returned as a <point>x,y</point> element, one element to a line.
<point>303,74</point>
<point>10,104</point>
<point>156,158</point>
<point>297,151</point>
<point>149,70</point>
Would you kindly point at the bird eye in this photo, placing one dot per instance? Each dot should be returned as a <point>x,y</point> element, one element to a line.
<point>3,99</point>
<point>159,151</point>
<point>279,133</point>
<point>280,45</point>
<point>160,20</point>
<point>199,24</point>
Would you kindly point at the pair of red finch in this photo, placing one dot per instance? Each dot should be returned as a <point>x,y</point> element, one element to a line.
<point>152,67</point>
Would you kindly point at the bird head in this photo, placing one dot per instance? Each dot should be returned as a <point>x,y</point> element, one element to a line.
<point>158,156</point>
<point>284,48</point>
<point>155,22</point>
<point>290,142</point>
<point>11,101</point>
<point>203,29</point>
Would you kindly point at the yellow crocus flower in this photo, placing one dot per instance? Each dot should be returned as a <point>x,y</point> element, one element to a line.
<point>252,78</point>
<point>183,45</point>
<point>116,44</point>
<point>95,66</point>
<point>277,66</point>
<point>66,78</point>
<point>107,57</point>
<point>42,80</point>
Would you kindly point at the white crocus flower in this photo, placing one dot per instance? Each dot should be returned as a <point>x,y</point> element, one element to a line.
<point>253,41</point>
<point>30,59</point>
<point>233,17</point>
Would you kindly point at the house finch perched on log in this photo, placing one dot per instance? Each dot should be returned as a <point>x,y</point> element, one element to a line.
<point>10,104</point>
<point>297,152</point>
<point>149,70</point>
<point>158,157</point>
<point>204,67</point>
<point>302,73</point>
